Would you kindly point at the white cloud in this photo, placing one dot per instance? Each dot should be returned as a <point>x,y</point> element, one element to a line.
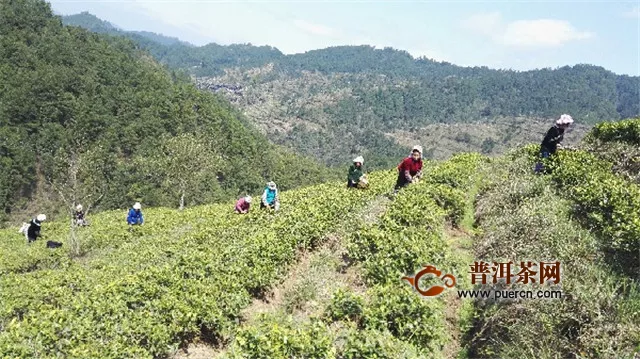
<point>484,23</point>
<point>524,33</point>
<point>314,29</point>
<point>633,13</point>
<point>541,33</point>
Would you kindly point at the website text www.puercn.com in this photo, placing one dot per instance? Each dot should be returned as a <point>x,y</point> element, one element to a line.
<point>510,294</point>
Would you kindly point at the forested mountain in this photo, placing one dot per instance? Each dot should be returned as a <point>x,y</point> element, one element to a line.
<point>93,23</point>
<point>341,101</point>
<point>88,118</point>
<point>208,59</point>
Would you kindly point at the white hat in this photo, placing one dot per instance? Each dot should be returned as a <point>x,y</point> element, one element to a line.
<point>564,120</point>
<point>79,207</point>
<point>417,148</point>
<point>41,218</point>
<point>137,205</point>
<point>271,185</point>
<point>248,199</point>
<point>359,159</point>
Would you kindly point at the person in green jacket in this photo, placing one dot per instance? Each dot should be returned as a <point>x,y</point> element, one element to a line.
<point>356,177</point>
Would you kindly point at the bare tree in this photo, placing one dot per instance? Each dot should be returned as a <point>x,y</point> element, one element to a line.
<point>79,177</point>
<point>184,162</point>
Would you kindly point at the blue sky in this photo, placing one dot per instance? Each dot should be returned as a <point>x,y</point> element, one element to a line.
<point>513,34</point>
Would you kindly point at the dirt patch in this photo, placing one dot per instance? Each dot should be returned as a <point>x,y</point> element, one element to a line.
<point>452,316</point>
<point>461,242</point>
<point>317,275</point>
<point>197,351</point>
<point>310,284</point>
<point>376,209</point>
<point>274,299</point>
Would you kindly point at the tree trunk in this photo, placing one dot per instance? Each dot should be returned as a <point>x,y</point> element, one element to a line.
<point>182,201</point>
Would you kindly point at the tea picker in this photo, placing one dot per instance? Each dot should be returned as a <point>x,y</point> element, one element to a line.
<point>270,198</point>
<point>552,140</point>
<point>356,177</point>
<point>32,230</point>
<point>135,217</point>
<point>79,217</point>
<point>410,169</point>
<point>243,205</point>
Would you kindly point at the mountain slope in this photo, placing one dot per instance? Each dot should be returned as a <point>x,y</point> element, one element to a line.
<point>187,276</point>
<point>94,24</point>
<point>590,92</point>
<point>342,101</point>
<point>86,118</point>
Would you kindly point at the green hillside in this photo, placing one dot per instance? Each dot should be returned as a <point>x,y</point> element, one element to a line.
<point>93,120</point>
<point>202,275</point>
<point>90,118</point>
<point>342,101</point>
<point>92,23</point>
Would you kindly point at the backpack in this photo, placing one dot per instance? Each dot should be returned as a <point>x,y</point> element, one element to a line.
<point>52,244</point>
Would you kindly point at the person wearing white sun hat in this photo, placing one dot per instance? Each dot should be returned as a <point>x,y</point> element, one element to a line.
<point>135,216</point>
<point>356,177</point>
<point>270,197</point>
<point>79,216</point>
<point>32,232</point>
<point>243,205</point>
<point>552,139</point>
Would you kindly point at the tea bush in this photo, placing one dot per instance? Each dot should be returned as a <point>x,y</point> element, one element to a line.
<point>140,294</point>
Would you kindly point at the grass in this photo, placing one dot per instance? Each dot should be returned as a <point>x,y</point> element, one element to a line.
<point>598,316</point>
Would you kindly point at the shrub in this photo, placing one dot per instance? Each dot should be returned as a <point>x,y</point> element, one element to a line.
<point>345,305</point>
<point>621,131</point>
<point>396,308</point>
<point>273,337</point>
<point>374,344</point>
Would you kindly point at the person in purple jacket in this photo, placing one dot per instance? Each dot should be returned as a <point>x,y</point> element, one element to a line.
<point>243,204</point>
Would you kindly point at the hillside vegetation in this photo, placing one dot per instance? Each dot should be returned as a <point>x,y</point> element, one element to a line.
<point>583,215</point>
<point>187,275</point>
<point>93,120</point>
<point>343,101</point>
<point>89,117</point>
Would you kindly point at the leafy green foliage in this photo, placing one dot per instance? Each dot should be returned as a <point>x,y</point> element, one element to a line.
<point>609,204</point>
<point>408,236</point>
<point>70,92</point>
<point>184,165</point>
<point>618,144</point>
<point>406,315</point>
<point>597,316</point>
<point>622,131</point>
<point>140,293</point>
<point>345,305</point>
<point>374,344</point>
<point>274,337</point>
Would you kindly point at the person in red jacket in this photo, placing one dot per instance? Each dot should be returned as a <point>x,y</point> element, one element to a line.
<point>410,169</point>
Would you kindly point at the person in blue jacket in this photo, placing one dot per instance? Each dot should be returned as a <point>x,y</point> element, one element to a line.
<point>135,215</point>
<point>270,197</point>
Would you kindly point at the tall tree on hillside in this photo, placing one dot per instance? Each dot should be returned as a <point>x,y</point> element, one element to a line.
<point>183,165</point>
<point>79,176</point>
